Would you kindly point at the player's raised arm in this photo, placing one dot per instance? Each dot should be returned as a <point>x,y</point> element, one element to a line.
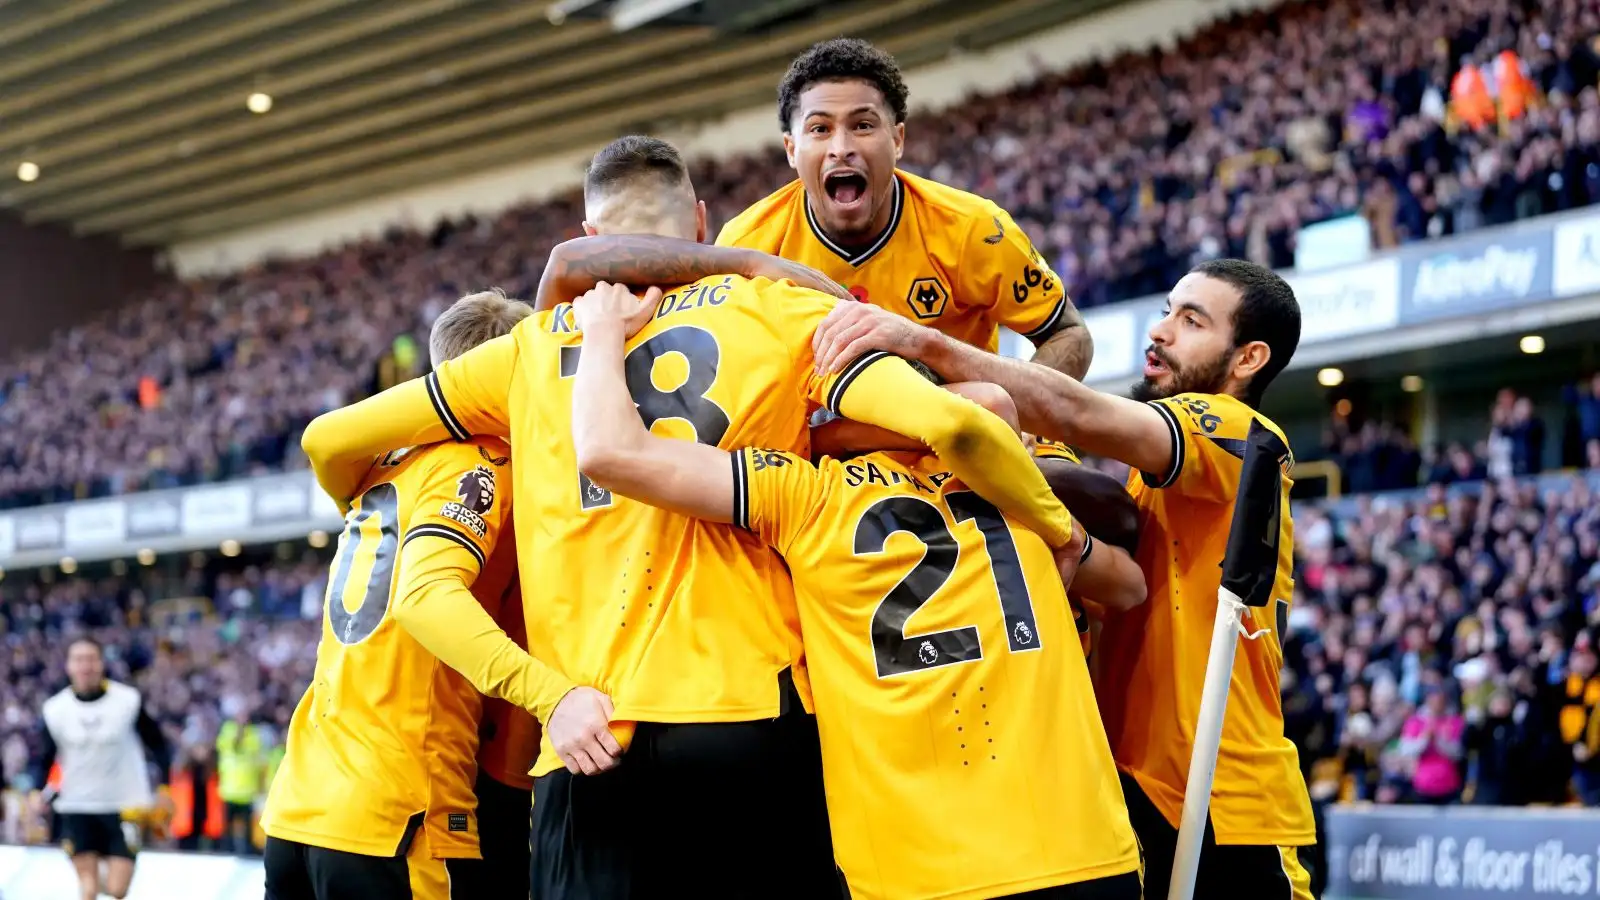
<point>978,446</point>
<point>613,447</point>
<point>577,265</point>
<point>462,397</point>
<point>443,550</point>
<point>1049,403</point>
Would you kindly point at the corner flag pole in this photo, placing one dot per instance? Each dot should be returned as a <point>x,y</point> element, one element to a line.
<point>1249,568</point>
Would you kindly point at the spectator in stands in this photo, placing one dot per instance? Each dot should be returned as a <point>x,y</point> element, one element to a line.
<point>1496,748</point>
<point>241,767</point>
<point>1524,436</point>
<point>1431,744</point>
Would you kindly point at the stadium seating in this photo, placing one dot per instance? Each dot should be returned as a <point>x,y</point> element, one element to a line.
<point>1125,173</point>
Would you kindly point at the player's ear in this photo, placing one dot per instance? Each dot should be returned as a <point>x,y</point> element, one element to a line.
<point>788,150</point>
<point>1249,359</point>
<point>700,221</point>
<point>589,230</point>
<point>899,140</point>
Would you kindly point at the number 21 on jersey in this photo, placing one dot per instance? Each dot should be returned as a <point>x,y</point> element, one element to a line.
<point>897,652</point>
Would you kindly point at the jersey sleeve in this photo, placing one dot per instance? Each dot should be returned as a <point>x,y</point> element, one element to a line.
<point>470,394</point>
<point>460,498</point>
<point>457,516</point>
<point>465,396</point>
<point>1002,270</point>
<point>775,494</point>
<point>1208,442</point>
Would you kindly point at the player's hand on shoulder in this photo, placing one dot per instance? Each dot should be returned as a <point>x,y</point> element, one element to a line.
<point>609,305</point>
<point>776,268</point>
<point>579,730</point>
<point>852,330</point>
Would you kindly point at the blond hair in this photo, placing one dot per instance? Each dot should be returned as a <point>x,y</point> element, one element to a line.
<point>472,320</point>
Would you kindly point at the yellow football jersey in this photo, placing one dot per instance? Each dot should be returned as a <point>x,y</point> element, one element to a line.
<point>1153,659</point>
<point>382,747</point>
<point>962,750</point>
<point>949,259</point>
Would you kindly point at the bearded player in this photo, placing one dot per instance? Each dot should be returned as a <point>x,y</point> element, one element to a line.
<point>1230,327</point>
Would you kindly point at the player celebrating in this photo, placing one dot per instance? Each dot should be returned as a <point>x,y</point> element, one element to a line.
<point>105,741</point>
<point>374,797</point>
<point>936,255</point>
<point>1229,329</point>
<point>720,796</point>
<point>1015,744</point>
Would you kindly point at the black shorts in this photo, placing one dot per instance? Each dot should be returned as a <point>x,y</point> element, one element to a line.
<point>296,871</point>
<point>1227,872</point>
<point>503,823</point>
<point>717,811</point>
<point>101,833</point>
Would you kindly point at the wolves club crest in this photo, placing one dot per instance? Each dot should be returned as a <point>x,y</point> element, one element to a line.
<point>927,298</point>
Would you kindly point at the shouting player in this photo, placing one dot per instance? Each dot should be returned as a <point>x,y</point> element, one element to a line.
<point>691,629</point>
<point>1230,328</point>
<point>943,660</point>
<point>934,254</point>
<point>374,797</point>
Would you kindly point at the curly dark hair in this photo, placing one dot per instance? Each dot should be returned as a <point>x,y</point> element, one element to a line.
<point>842,59</point>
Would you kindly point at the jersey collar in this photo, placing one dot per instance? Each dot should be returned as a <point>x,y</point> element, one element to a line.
<point>856,258</point>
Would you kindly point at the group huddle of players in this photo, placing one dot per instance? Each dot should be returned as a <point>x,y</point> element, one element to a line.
<point>744,604</point>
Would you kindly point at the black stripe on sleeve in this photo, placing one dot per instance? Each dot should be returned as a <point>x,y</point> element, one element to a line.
<point>449,534</point>
<point>850,374</point>
<point>446,415</point>
<point>1175,431</point>
<point>1051,323</point>
<point>741,489</point>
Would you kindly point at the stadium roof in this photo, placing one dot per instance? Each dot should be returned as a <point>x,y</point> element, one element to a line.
<point>135,111</point>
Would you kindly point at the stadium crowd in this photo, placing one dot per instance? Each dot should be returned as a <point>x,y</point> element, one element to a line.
<point>1125,172</point>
